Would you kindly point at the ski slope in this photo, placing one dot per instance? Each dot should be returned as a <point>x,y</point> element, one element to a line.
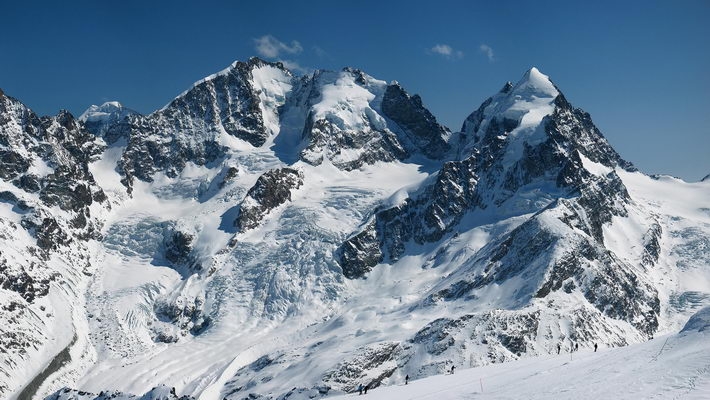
<point>669,367</point>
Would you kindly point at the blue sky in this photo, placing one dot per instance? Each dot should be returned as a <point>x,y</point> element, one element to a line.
<point>640,68</point>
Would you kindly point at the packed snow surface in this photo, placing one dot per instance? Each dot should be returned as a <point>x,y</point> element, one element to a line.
<point>670,367</point>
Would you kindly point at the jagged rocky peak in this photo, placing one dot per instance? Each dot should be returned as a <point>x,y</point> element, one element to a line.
<point>345,125</point>
<point>530,113</point>
<point>355,119</point>
<point>105,120</point>
<point>346,117</point>
<point>240,102</point>
<point>46,160</point>
<point>514,106</point>
<point>106,109</point>
<point>523,148</point>
<point>420,126</point>
<point>535,83</point>
<point>241,99</point>
<point>51,195</point>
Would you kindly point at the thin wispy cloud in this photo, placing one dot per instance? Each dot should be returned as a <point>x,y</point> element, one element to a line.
<point>487,51</point>
<point>294,66</point>
<point>320,52</point>
<point>446,51</point>
<point>270,47</point>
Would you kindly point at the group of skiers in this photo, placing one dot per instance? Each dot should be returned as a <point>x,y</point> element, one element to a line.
<point>363,389</point>
<point>574,347</point>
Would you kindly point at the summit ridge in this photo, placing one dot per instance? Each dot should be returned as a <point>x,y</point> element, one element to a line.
<point>269,235</point>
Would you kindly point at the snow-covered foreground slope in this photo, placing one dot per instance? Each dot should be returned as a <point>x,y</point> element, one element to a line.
<point>675,366</point>
<point>668,367</point>
<point>267,235</point>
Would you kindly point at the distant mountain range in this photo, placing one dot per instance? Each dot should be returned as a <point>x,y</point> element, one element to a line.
<point>267,235</point>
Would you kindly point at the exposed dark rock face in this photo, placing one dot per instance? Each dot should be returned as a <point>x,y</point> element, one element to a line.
<point>419,124</point>
<point>271,190</point>
<point>490,178</point>
<point>184,313</point>
<point>652,245</point>
<point>370,366</point>
<point>228,176</point>
<point>178,249</point>
<point>326,139</point>
<point>62,189</point>
<point>188,129</point>
<point>421,219</point>
<point>501,335</point>
<point>46,161</point>
<point>12,164</point>
<point>348,144</point>
<point>360,253</point>
<point>487,177</point>
<point>66,149</point>
<point>24,284</point>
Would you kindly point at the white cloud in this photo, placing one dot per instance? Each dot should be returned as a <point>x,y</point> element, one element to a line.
<point>270,47</point>
<point>294,66</point>
<point>488,51</point>
<point>446,51</point>
<point>443,49</point>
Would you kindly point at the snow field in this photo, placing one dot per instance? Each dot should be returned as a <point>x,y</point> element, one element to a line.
<point>669,367</point>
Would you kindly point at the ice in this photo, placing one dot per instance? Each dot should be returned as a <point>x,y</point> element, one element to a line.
<point>272,84</point>
<point>346,103</point>
<point>277,292</point>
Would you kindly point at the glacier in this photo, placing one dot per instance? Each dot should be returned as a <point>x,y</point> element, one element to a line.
<point>270,235</point>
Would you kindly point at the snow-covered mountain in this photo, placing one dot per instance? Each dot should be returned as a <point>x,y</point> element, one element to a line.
<point>272,235</point>
<point>104,120</point>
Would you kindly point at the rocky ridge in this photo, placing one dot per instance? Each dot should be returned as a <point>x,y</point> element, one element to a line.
<point>250,148</point>
<point>51,198</point>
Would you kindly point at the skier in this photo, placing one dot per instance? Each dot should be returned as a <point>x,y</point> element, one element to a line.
<point>366,386</point>
<point>406,380</point>
<point>452,369</point>
<point>359,389</point>
<point>595,347</point>
<point>576,347</point>
<point>559,347</point>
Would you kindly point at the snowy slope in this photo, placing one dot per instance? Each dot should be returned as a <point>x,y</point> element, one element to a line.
<point>266,234</point>
<point>669,367</point>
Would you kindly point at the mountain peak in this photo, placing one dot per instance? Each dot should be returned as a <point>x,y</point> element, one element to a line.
<point>112,104</point>
<point>105,111</point>
<point>535,83</point>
